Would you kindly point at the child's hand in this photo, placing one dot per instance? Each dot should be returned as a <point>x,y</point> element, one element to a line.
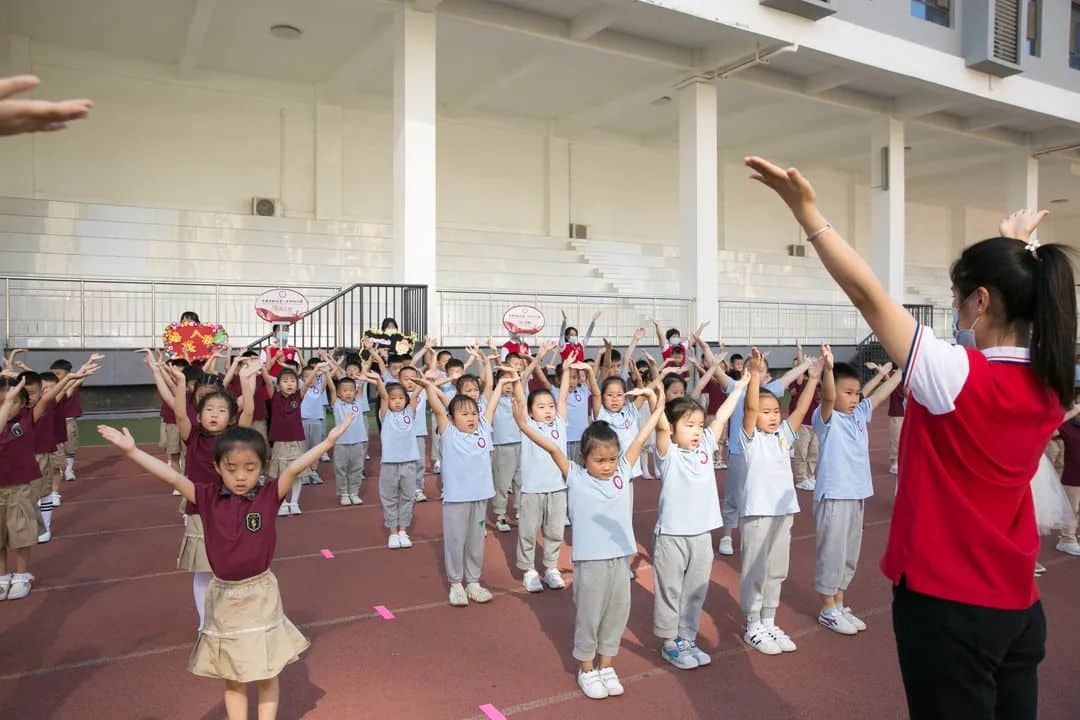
<point>886,368</point>
<point>817,367</point>
<point>563,312</point>
<point>547,346</point>
<point>827,356</point>
<point>339,429</point>
<point>491,345</point>
<point>743,381</point>
<point>639,334</point>
<point>670,370</point>
<point>581,366</point>
<point>12,398</point>
<point>701,328</point>
<point>646,391</point>
<point>121,439</point>
<point>756,362</point>
<point>1021,224</point>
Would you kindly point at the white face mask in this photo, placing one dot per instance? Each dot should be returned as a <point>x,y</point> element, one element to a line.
<point>572,340</point>
<point>283,337</point>
<point>675,340</point>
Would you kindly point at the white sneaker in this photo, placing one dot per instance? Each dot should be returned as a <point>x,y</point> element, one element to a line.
<point>324,458</point>
<point>5,586</point>
<point>477,593</point>
<point>1069,548</point>
<point>611,682</point>
<point>69,473</point>
<point>403,539</point>
<point>591,684</point>
<point>893,469</point>
<point>1039,568</point>
<point>294,509</point>
<point>501,525</point>
<point>836,622</point>
<point>554,579</point>
<point>458,598</point>
<point>725,546</point>
<point>783,642</point>
<point>55,498</point>
<point>283,509</point>
<point>531,581</point>
<point>356,500</point>
<point>20,586</point>
<point>393,542</point>
<point>175,492</point>
<point>419,496</point>
<point>345,500</point>
<point>851,618</point>
<point>45,536</point>
<point>759,638</point>
<point>677,652</point>
<point>700,655</point>
<point>806,485</point>
<point>436,467</point>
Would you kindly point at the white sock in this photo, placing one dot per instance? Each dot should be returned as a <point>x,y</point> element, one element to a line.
<point>294,498</point>
<point>70,466</point>
<point>199,582</point>
<point>46,506</point>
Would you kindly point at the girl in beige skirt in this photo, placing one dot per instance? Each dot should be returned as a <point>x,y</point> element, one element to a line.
<point>245,636</point>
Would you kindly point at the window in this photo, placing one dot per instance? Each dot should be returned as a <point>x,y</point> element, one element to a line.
<point>1074,37</point>
<point>936,11</point>
<point>1034,21</point>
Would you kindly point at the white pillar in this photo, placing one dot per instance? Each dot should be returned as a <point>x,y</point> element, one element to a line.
<point>329,162</point>
<point>1021,183</point>
<point>887,204</point>
<point>414,156</point>
<point>558,186</point>
<point>698,203</point>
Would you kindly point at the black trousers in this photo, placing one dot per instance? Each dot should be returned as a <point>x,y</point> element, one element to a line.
<point>966,661</point>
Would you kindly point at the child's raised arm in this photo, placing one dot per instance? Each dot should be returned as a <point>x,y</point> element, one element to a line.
<point>755,367</point>
<point>564,391</point>
<point>703,382</point>
<point>126,444</point>
<point>508,377</point>
<point>541,439</point>
<point>727,409</point>
<point>656,401</point>
<point>179,405</point>
<point>247,392</point>
<point>881,372</point>
<point>794,373</point>
<point>9,408</point>
<point>268,379</point>
<point>828,384</point>
<point>303,463</point>
<point>659,335</point>
<point>628,356</point>
<point>795,417</point>
<point>380,387</point>
<point>885,389</point>
<point>435,402</point>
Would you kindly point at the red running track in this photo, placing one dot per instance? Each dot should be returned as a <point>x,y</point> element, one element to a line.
<point>107,629</point>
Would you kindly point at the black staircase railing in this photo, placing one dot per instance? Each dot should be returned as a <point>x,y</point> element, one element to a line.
<point>341,320</point>
<point>871,350</point>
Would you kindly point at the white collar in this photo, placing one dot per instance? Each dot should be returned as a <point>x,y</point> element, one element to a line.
<point>1008,354</point>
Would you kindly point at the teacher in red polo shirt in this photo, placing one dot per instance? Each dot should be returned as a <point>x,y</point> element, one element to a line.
<point>969,626</point>
<point>279,345</point>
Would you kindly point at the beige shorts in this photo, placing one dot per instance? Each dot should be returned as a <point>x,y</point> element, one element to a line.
<point>72,444</point>
<point>43,485</point>
<point>169,439</point>
<point>282,454</point>
<point>18,517</point>
<point>259,426</point>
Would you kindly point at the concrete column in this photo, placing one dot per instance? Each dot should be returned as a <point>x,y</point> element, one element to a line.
<point>414,255</point>
<point>698,203</point>
<point>1021,182</point>
<point>558,186</point>
<point>887,200</point>
<point>329,162</point>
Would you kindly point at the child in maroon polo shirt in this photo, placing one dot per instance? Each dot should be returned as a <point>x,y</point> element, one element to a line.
<point>246,636</point>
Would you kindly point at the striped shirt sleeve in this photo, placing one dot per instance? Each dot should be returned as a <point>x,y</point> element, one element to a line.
<point>935,372</point>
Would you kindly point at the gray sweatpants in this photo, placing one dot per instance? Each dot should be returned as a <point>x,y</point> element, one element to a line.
<point>397,489</point>
<point>544,512</point>
<point>839,537</point>
<point>314,433</point>
<point>506,468</point>
<point>421,465</point>
<point>463,540</point>
<point>349,468</point>
<point>765,547</point>
<point>602,597</point>
<point>734,479</point>
<point>681,568</point>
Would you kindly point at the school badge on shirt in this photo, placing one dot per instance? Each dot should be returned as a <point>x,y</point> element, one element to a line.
<point>292,404</point>
<point>16,430</point>
<point>616,480</point>
<point>253,521</point>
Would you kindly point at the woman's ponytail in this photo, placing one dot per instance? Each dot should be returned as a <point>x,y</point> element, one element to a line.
<point>1053,322</point>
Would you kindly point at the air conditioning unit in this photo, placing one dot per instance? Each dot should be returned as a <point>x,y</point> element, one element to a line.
<point>579,232</point>
<point>796,250</point>
<point>267,207</point>
<point>993,36</point>
<point>812,9</point>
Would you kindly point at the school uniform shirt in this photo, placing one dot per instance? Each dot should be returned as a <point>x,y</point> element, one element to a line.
<point>897,403</point>
<point>1070,439</point>
<point>521,348</point>
<point>167,414</point>
<point>44,436</point>
<point>578,401</point>
<point>601,512</point>
<point>313,406</point>
<point>735,428</point>
<point>466,464</point>
<point>199,461</point>
<point>504,428</point>
<point>539,473</point>
<point>421,415</point>
<point>259,396</point>
<point>716,394</point>
<point>72,406</point>
<point>192,409</point>
<point>689,502</point>
<point>59,427</point>
<point>796,392</point>
<point>287,425</point>
<point>17,451</point>
<point>357,431</point>
<point>240,531</point>
<point>769,488</point>
<point>398,435</point>
<point>625,423</point>
<point>963,524</point>
<point>843,469</point>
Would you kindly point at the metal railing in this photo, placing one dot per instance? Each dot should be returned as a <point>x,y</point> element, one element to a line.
<point>767,322</point>
<point>47,312</point>
<point>467,316</point>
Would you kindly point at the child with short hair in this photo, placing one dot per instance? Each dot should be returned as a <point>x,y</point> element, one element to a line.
<point>18,506</point>
<point>844,481</point>
<point>807,449</point>
<point>506,457</point>
<point>409,376</point>
<point>261,398</point>
<point>316,379</point>
<point>169,436</point>
<point>246,636</point>
<point>688,511</point>
<point>598,495</point>
<point>350,450</point>
<point>401,464</point>
<point>71,409</point>
<point>286,431</point>
<point>767,505</point>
